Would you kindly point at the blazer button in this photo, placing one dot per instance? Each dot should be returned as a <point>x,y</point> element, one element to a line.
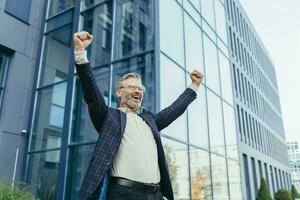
<point>108,163</point>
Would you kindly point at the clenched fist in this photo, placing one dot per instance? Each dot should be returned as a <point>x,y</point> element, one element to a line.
<point>82,40</point>
<point>196,77</point>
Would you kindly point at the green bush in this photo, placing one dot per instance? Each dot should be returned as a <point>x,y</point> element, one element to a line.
<point>20,192</point>
<point>294,192</point>
<point>283,194</point>
<point>263,192</point>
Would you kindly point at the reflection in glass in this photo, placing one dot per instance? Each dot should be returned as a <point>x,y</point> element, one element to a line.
<point>211,65</point>
<point>235,185</point>
<point>79,158</point>
<point>219,177</point>
<point>215,120</point>
<point>134,31</point>
<point>82,127</point>
<point>144,66</point>
<point>177,160</point>
<point>56,56</point>
<point>200,174</point>
<point>171,34</point>
<point>221,21</point>
<point>225,73</point>
<point>193,45</point>
<point>49,117</point>
<point>85,4</point>
<point>230,131</point>
<point>198,131</point>
<point>42,174</point>
<point>207,10</point>
<point>172,84</point>
<point>98,22</point>
<point>57,6</point>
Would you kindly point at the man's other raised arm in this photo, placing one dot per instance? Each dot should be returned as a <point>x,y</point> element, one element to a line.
<point>91,93</point>
<point>165,117</point>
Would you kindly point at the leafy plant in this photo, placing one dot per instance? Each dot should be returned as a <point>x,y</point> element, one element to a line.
<point>263,192</point>
<point>20,192</point>
<point>283,194</point>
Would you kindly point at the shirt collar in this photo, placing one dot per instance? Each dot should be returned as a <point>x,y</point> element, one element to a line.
<point>127,110</point>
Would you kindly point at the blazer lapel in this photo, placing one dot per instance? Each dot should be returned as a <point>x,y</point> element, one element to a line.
<point>151,123</point>
<point>123,118</point>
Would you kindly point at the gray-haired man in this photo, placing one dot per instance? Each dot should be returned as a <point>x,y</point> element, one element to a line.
<point>129,147</point>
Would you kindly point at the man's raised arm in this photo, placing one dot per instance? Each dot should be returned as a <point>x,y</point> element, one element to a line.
<point>92,95</point>
<point>165,117</point>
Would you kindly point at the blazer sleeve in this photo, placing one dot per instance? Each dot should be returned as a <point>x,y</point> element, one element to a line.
<point>92,95</point>
<point>165,117</point>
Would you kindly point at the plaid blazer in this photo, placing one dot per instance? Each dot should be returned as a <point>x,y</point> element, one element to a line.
<point>110,124</point>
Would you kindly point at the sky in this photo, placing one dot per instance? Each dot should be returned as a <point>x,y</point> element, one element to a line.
<point>277,22</point>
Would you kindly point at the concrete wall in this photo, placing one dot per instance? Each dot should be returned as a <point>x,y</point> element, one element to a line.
<point>23,39</point>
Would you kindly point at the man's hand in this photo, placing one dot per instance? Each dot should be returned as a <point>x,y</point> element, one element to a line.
<point>196,77</point>
<point>82,40</point>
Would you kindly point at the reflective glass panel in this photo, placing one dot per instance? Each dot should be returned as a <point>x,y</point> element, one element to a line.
<point>134,30</point>
<point>215,119</point>
<point>57,6</point>
<point>225,73</point>
<point>197,115</point>
<point>192,11</point>
<point>219,177</point>
<point>211,65</point>
<point>230,131</point>
<point>172,84</point>
<point>82,127</point>
<point>49,117</point>
<point>98,22</point>
<point>207,10</point>
<point>85,4</point>
<point>3,67</point>
<point>144,66</point>
<point>79,158</point>
<point>56,55</point>
<point>177,160</point>
<point>193,45</point>
<point>200,174</point>
<point>221,20</point>
<point>235,185</point>
<point>42,174</point>
<point>171,34</point>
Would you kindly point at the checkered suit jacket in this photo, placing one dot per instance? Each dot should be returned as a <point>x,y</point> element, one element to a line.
<point>110,124</point>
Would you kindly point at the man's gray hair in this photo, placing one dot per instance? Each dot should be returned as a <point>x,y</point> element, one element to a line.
<point>119,83</point>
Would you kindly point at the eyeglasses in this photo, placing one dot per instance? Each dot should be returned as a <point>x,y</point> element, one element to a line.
<point>134,87</point>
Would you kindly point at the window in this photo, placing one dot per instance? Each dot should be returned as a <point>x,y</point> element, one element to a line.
<point>215,118</point>
<point>57,6</point>
<point>247,177</point>
<point>19,9</point>
<point>178,129</point>
<point>171,34</point>
<point>48,120</point>
<point>3,71</point>
<point>177,160</point>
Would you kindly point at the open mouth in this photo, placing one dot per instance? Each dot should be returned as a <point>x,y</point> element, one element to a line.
<point>137,97</point>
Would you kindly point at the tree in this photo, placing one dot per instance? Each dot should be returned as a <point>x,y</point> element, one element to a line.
<point>263,192</point>
<point>294,192</point>
<point>283,194</point>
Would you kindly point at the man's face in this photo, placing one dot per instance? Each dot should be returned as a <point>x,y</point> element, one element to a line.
<point>131,93</point>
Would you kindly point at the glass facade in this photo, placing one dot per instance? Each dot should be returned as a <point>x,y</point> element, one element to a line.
<point>201,146</point>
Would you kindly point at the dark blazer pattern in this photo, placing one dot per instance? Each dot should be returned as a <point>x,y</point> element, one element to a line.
<point>110,124</point>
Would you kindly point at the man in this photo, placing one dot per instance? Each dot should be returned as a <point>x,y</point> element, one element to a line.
<point>129,147</point>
